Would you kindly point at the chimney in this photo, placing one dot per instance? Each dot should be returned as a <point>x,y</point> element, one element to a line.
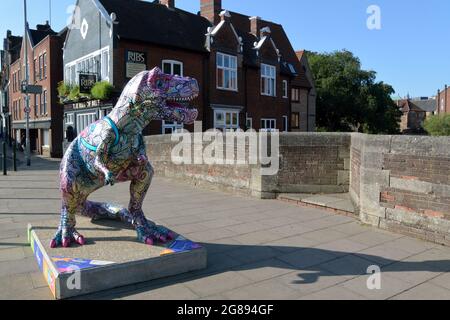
<point>168,3</point>
<point>255,25</point>
<point>210,9</point>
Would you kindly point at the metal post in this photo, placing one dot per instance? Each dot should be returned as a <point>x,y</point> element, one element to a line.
<point>27,98</point>
<point>4,158</point>
<point>15,156</point>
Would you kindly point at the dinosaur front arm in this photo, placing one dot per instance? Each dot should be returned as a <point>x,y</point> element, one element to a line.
<point>102,159</point>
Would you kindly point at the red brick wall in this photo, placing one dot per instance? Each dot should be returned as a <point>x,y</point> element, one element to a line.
<point>413,169</point>
<point>313,165</point>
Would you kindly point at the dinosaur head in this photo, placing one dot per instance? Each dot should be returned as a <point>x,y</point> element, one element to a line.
<point>166,97</point>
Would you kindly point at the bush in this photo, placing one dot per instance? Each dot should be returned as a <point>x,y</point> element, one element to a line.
<point>102,90</point>
<point>438,125</point>
<point>63,89</point>
<point>74,94</point>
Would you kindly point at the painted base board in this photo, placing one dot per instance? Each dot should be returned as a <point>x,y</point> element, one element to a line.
<point>111,258</point>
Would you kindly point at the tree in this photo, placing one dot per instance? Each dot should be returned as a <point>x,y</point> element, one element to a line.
<point>349,98</point>
<point>438,125</point>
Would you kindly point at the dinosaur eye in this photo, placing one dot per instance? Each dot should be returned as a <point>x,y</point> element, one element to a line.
<point>159,84</point>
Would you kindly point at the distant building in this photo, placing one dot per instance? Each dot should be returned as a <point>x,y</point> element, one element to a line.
<point>303,97</point>
<point>9,54</point>
<point>443,100</point>
<point>415,111</point>
<point>45,69</point>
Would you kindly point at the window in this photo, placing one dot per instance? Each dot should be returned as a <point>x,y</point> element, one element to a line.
<point>69,119</point>
<point>175,68</point>
<point>226,120</point>
<point>41,67</point>
<point>36,70</point>
<point>249,123</point>
<point>94,63</point>
<point>84,120</point>
<point>268,80</point>
<point>44,102</point>
<point>36,105</point>
<point>295,120</point>
<point>268,125</point>
<point>285,124</point>
<point>285,89</point>
<point>171,127</point>
<point>295,95</point>
<point>44,65</point>
<point>45,137</point>
<point>172,67</point>
<point>226,72</point>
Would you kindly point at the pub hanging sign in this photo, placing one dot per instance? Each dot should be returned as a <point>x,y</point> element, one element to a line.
<point>87,81</point>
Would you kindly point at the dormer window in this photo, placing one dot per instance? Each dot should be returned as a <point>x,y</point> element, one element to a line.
<point>226,72</point>
<point>268,80</point>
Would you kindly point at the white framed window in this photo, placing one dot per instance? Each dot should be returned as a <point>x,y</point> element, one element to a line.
<point>268,80</point>
<point>45,137</point>
<point>268,125</point>
<point>226,119</point>
<point>285,89</point>
<point>171,127</point>
<point>249,123</point>
<point>44,102</point>
<point>96,62</point>
<point>84,120</point>
<point>69,119</point>
<point>227,72</point>
<point>173,67</point>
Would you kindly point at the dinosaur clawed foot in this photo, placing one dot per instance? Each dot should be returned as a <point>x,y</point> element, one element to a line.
<point>65,238</point>
<point>154,234</point>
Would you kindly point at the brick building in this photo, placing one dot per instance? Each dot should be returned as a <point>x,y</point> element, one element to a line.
<point>9,54</point>
<point>245,66</point>
<point>45,65</point>
<point>443,100</point>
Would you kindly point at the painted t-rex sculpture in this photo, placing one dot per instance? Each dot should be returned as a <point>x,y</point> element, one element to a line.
<point>112,150</point>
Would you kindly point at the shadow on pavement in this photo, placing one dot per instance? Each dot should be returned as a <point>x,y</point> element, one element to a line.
<point>308,261</point>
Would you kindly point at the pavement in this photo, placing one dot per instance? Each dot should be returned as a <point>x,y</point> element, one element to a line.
<point>257,249</point>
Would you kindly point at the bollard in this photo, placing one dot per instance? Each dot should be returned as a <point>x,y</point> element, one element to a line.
<point>14,157</point>
<point>4,159</point>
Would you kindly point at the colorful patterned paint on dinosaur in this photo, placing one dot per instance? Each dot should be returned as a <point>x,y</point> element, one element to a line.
<point>112,150</point>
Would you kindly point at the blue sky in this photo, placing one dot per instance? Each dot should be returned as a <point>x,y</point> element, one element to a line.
<point>410,51</point>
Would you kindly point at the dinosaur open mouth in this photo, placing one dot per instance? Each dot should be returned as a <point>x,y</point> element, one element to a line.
<point>181,102</point>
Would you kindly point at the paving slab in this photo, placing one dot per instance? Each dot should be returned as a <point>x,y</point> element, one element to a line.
<point>111,258</point>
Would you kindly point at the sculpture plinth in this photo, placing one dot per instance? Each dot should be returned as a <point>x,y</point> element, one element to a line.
<point>111,258</point>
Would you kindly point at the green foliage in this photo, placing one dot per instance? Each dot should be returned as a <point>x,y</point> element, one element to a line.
<point>63,89</point>
<point>349,98</point>
<point>102,90</point>
<point>74,94</point>
<point>438,125</point>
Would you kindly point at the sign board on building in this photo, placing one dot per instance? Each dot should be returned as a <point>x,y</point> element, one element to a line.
<point>87,81</point>
<point>135,62</point>
<point>30,89</point>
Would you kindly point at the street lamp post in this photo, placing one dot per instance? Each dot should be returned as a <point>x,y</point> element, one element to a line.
<point>27,98</point>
